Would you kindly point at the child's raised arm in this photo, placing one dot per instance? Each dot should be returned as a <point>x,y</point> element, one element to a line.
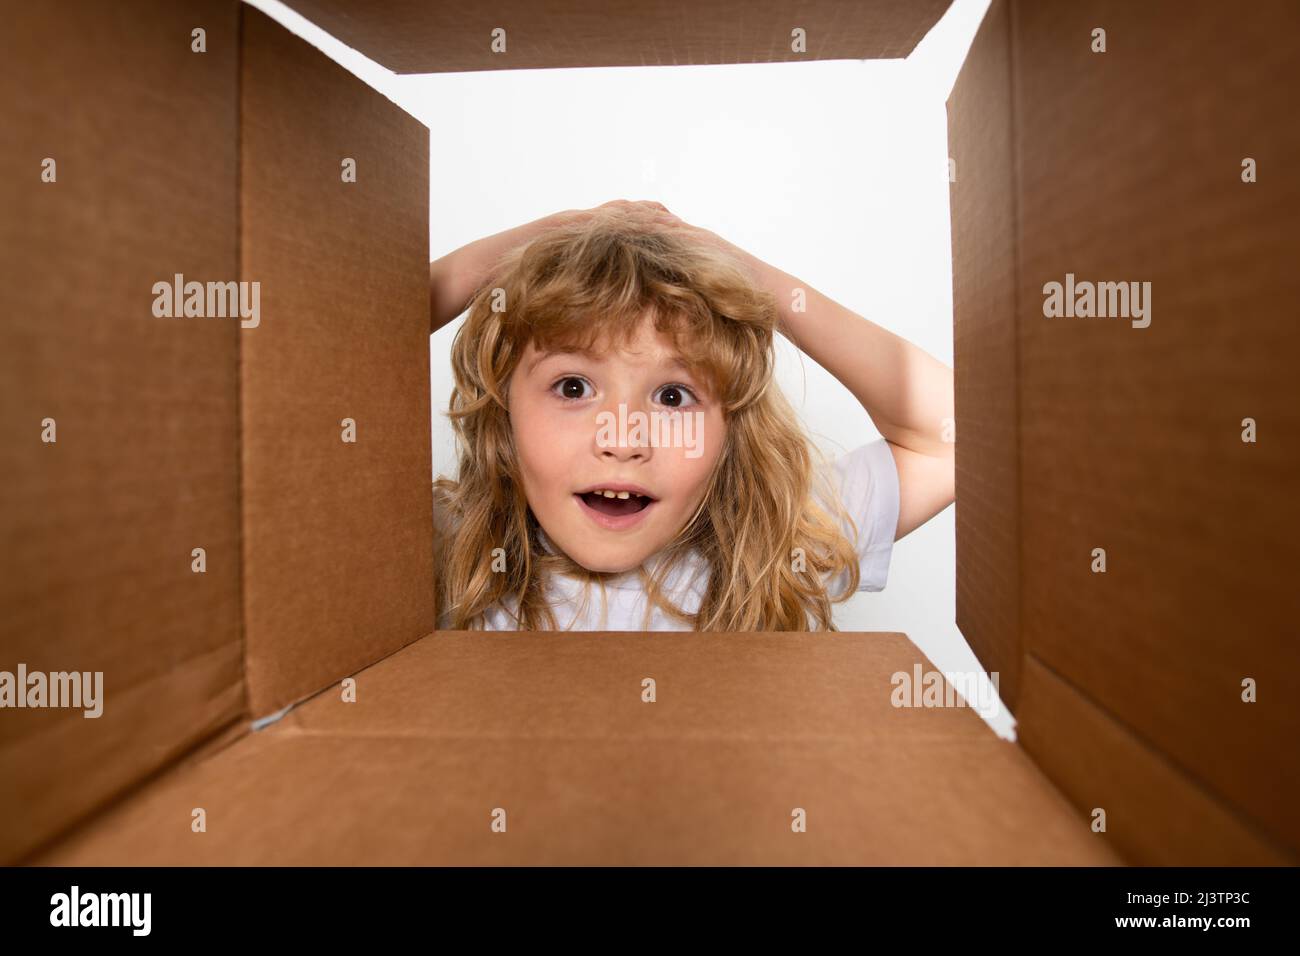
<point>907,392</point>
<point>454,278</point>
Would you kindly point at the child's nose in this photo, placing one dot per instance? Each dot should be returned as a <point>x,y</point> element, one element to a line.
<point>639,453</point>
<point>623,432</point>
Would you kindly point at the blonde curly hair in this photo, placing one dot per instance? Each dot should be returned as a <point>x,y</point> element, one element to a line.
<point>589,285</point>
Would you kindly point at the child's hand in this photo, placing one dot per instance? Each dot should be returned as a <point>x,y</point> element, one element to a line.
<point>456,276</point>
<point>657,215</point>
<point>645,208</point>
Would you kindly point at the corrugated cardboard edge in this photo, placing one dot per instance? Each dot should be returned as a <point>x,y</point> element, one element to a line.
<point>985,356</point>
<point>418,36</point>
<point>338,536</point>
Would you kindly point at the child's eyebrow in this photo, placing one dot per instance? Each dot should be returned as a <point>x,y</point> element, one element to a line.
<point>541,357</point>
<point>675,362</point>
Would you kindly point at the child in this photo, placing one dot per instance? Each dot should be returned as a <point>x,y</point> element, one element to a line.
<point>712,510</point>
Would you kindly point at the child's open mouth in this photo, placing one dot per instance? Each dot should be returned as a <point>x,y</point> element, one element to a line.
<point>615,509</point>
<point>615,506</point>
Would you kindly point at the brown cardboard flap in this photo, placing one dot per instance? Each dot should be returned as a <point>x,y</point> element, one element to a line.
<point>982,195</point>
<point>426,36</point>
<point>1131,166</point>
<point>755,686</point>
<point>338,536</point>
<point>552,729</point>
<point>1155,813</point>
<point>97,529</point>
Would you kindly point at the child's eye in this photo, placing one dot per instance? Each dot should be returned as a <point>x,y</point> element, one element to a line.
<point>679,391</point>
<point>565,385</point>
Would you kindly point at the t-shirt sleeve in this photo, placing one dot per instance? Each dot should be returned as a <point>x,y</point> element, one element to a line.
<point>867,482</point>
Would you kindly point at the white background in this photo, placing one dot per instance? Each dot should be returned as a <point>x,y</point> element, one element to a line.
<point>834,171</point>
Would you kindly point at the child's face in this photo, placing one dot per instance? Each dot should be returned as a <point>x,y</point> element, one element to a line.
<point>565,416</point>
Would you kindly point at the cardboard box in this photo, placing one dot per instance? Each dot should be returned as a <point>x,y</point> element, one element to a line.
<point>1077,434</point>
<point>1074,434</point>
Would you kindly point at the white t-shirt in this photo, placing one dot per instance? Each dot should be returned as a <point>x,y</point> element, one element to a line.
<point>867,480</point>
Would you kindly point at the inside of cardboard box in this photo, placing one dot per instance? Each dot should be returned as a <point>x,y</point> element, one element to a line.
<point>311,565</point>
<point>466,747</point>
<point>1014,132</point>
<point>745,732</point>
